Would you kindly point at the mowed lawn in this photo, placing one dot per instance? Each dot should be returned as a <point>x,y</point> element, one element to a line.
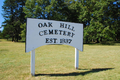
<point>56,62</point>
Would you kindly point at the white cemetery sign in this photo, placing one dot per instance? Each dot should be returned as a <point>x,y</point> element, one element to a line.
<point>41,32</point>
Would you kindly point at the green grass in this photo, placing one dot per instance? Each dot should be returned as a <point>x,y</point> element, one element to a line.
<point>56,62</point>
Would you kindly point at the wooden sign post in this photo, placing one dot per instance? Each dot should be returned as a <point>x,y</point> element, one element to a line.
<point>76,58</point>
<point>41,32</point>
<point>33,62</point>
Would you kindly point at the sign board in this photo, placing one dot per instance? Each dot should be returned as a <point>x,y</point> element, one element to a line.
<point>41,32</point>
<point>44,32</point>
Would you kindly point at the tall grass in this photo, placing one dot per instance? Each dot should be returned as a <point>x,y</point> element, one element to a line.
<point>56,62</point>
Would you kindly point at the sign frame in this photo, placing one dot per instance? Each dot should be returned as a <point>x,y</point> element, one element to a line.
<point>52,32</point>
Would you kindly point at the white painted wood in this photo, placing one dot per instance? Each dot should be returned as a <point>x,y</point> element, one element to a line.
<point>76,58</point>
<point>33,62</point>
<point>69,34</point>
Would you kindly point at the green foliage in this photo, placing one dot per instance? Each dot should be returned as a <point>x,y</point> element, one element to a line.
<point>101,18</point>
<point>45,9</point>
<point>0,34</point>
<point>23,32</point>
<point>14,16</point>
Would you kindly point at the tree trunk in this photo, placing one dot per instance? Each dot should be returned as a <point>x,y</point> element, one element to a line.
<point>13,39</point>
<point>97,40</point>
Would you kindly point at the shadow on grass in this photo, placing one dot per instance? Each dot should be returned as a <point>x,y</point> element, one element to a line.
<point>75,73</point>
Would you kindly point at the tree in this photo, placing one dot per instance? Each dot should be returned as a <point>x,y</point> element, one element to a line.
<point>14,16</point>
<point>97,19</point>
<point>45,9</point>
<point>98,16</point>
<point>0,35</point>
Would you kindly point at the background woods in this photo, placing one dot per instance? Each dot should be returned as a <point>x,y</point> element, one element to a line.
<point>101,18</point>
